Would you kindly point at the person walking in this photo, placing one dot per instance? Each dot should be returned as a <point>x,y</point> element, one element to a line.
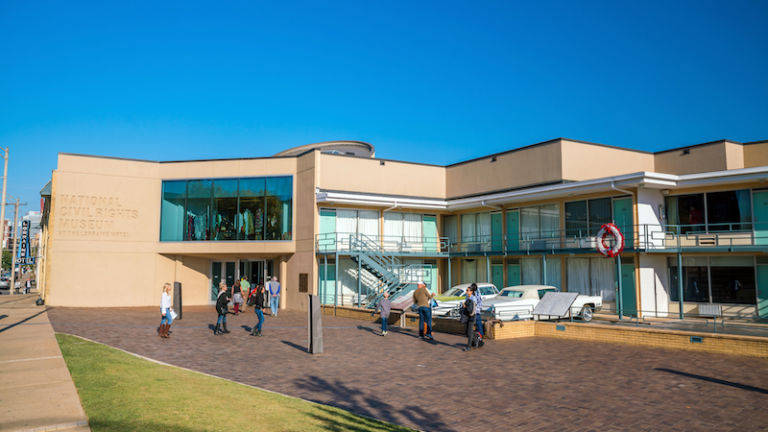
<point>165,310</point>
<point>245,287</point>
<point>384,306</point>
<point>422,298</point>
<point>27,286</point>
<point>237,296</point>
<point>221,309</point>
<point>478,309</point>
<point>259,301</point>
<point>274,295</point>
<point>468,312</point>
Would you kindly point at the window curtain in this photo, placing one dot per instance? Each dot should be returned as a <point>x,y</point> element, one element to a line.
<point>451,229</point>
<point>393,230</point>
<point>368,223</point>
<point>603,278</point>
<point>529,223</point>
<point>468,271</point>
<point>550,221</point>
<point>484,228</point>
<point>531,268</point>
<point>413,231</point>
<point>554,276</point>
<point>578,275</point>
<point>346,224</point>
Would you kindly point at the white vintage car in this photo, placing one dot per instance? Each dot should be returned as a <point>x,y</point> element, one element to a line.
<point>517,303</point>
<point>449,300</point>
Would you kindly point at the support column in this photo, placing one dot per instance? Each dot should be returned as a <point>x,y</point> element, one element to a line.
<point>325,279</point>
<point>487,268</point>
<point>619,302</point>
<point>449,275</point>
<point>680,282</point>
<point>336,284</point>
<point>284,281</point>
<point>359,278</point>
<point>543,269</point>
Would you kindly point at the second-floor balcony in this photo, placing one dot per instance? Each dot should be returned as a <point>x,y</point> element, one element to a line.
<point>650,238</point>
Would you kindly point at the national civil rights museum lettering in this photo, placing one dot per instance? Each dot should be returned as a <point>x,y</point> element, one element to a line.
<point>93,216</point>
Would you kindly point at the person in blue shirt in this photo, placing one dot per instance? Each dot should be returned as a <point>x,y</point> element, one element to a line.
<point>478,308</point>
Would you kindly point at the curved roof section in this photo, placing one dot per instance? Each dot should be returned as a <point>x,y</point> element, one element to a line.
<point>350,148</point>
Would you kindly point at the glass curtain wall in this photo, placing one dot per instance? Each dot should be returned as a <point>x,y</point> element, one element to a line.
<point>227,209</point>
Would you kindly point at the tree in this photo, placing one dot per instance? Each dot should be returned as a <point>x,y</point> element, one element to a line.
<point>6,260</point>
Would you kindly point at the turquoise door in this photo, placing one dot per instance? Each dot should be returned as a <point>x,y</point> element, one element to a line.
<point>760,205</point>
<point>513,274</point>
<point>497,275</point>
<point>429,233</point>
<point>622,217</point>
<point>762,291</point>
<point>513,230</point>
<point>326,286</point>
<point>326,238</point>
<point>628,294</point>
<point>496,233</point>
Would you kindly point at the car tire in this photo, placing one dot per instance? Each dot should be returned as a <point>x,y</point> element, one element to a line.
<point>586,313</point>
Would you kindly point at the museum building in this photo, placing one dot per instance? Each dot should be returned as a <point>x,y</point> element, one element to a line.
<point>332,219</point>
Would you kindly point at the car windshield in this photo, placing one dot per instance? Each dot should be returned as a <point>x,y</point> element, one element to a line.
<point>487,290</point>
<point>455,292</point>
<point>511,294</point>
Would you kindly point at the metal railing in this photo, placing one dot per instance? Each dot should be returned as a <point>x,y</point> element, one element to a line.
<point>398,245</point>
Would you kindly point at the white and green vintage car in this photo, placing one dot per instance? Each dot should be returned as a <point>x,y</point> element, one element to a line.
<point>517,303</point>
<point>449,300</point>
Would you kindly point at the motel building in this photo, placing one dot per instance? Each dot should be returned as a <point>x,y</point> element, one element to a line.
<point>333,220</point>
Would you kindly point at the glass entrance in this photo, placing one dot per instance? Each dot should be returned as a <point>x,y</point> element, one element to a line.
<point>256,271</point>
<point>221,270</point>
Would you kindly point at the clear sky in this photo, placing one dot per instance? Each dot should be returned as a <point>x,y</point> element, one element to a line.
<point>436,82</point>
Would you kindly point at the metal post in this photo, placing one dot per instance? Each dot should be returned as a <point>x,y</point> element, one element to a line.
<point>325,279</point>
<point>449,273</point>
<point>543,269</point>
<point>12,286</point>
<point>2,207</point>
<point>619,300</point>
<point>680,281</point>
<point>336,283</point>
<point>488,268</point>
<point>359,279</point>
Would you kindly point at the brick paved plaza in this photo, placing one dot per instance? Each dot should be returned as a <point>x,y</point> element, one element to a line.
<point>523,384</point>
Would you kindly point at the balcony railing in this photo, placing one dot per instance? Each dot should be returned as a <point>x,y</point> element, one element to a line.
<point>646,237</point>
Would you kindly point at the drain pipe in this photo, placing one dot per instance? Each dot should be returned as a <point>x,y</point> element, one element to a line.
<point>484,204</point>
<point>394,206</point>
<point>620,300</point>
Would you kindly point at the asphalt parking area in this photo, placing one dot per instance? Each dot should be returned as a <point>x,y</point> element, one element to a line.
<point>521,384</point>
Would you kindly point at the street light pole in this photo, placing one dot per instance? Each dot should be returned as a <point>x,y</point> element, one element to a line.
<point>12,286</point>
<point>2,207</point>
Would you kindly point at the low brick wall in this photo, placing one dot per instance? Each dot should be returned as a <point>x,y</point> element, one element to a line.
<point>706,342</point>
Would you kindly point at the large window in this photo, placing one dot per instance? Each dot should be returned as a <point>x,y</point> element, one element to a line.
<point>712,211</point>
<point>718,279</point>
<point>584,218</point>
<point>257,208</point>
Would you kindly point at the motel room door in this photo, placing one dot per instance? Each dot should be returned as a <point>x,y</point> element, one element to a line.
<point>221,270</point>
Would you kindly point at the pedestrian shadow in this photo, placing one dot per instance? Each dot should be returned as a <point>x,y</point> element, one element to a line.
<point>368,329</point>
<point>3,316</point>
<point>24,320</point>
<point>297,346</point>
<point>715,380</point>
<point>366,403</point>
<point>246,328</point>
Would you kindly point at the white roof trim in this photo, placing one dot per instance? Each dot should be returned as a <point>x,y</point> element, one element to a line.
<point>641,179</point>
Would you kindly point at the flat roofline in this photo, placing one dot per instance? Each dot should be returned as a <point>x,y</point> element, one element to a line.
<point>177,161</point>
<point>699,145</point>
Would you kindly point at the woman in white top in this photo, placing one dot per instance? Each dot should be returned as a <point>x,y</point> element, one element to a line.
<point>165,310</point>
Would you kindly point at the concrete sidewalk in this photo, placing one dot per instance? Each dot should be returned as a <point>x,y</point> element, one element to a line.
<point>37,391</point>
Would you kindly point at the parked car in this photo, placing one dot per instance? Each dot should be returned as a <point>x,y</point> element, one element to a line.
<point>5,283</point>
<point>517,303</point>
<point>450,300</point>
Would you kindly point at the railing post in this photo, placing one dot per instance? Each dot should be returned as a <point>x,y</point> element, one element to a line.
<point>359,274</point>
<point>325,280</point>
<point>336,283</point>
<point>680,280</point>
<point>619,302</point>
<point>449,273</point>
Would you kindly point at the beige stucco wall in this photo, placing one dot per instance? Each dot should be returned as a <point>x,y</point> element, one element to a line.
<point>711,157</point>
<point>105,222</point>
<point>353,174</point>
<point>756,154</point>
<point>530,166</point>
<point>583,161</point>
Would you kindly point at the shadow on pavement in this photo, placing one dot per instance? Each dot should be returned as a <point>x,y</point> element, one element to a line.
<point>24,320</point>
<point>365,403</point>
<point>715,380</point>
<point>293,345</point>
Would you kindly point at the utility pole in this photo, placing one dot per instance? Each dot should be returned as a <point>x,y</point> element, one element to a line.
<point>2,207</point>
<point>16,205</point>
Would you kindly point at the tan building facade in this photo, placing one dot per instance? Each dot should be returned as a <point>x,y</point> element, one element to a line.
<point>323,218</point>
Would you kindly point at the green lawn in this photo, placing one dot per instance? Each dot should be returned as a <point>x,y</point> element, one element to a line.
<point>121,392</point>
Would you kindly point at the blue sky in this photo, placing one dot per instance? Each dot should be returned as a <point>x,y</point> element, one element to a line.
<point>436,82</point>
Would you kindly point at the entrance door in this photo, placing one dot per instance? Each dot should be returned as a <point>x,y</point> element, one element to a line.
<point>497,275</point>
<point>513,274</point>
<point>760,208</point>
<point>255,271</point>
<point>429,233</point>
<point>628,295</point>
<point>496,232</point>
<point>221,270</point>
<point>513,235</point>
<point>327,285</point>
<point>762,290</point>
<point>622,217</point>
